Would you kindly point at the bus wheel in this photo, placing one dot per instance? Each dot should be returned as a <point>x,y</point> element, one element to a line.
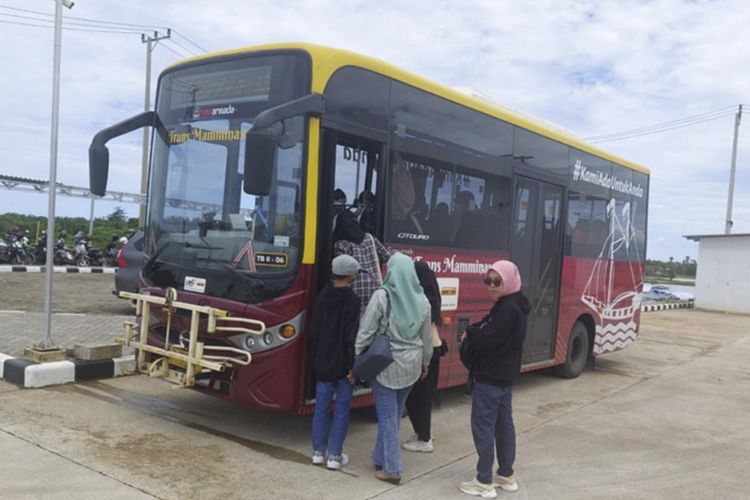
<point>578,352</point>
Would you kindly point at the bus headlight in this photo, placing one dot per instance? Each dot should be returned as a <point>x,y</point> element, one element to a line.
<point>274,336</point>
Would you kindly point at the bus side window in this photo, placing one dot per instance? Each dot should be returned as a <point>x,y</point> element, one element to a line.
<point>403,196</point>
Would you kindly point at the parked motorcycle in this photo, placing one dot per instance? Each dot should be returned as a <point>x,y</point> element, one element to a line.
<point>81,251</point>
<point>3,252</point>
<point>112,252</point>
<point>39,251</point>
<point>85,254</point>
<point>16,253</point>
<point>96,257</point>
<point>110,256</point>
<point>64,256</point>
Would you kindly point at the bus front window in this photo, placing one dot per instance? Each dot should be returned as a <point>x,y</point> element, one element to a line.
<point>200,222</point>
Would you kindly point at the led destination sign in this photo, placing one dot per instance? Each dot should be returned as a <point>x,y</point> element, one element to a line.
<point>221,87</point>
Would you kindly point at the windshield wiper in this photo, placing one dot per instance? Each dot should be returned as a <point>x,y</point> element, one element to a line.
<point>257,287</point>
<point>184,244</point>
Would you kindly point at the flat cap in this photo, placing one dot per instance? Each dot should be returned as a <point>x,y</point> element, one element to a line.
<point>344,265</point>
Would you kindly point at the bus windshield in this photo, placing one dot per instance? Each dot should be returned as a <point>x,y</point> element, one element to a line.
<point>199,218</point>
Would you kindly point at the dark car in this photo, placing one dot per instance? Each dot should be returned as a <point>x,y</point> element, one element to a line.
<point>129,263</point>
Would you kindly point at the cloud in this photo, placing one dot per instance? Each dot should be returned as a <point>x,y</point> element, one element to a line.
<point>593,67</point>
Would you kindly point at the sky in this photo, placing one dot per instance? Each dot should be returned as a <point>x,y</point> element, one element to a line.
<point>592,67</point>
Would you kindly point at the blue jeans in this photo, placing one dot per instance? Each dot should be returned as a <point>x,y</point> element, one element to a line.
<point>493,430</point>
<point>389,406</point>
<point>324,435</point>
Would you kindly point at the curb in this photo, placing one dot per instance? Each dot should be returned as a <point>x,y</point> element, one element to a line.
<point>27,373</point>
<point>58,269</point>
<point>664,307</point>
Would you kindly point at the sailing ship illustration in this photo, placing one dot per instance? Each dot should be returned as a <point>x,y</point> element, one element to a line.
<point>616,325</point>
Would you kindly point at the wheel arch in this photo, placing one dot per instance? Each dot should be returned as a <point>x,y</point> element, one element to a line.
<point>590,324</point>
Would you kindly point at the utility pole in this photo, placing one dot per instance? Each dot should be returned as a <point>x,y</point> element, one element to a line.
<point>732,170</point>
<point>150,42</point>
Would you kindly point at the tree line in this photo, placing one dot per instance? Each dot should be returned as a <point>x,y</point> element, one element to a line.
<point>672,268</point>
<point>114,224</point>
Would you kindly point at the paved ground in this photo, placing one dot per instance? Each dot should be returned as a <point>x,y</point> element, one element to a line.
<point>71,293</point>
<point>84,310</point>
<point>664,418</point>
<point>19,330</point>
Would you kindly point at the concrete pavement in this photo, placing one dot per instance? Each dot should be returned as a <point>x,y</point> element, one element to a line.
<point>681,434</point>
<point>664,418</point>
<point>30,471</point>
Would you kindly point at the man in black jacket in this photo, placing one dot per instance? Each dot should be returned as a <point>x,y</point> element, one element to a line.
<point>335,321</point>
<point>497,343</point>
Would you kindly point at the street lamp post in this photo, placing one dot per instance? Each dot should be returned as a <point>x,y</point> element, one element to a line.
<point>46,343</point>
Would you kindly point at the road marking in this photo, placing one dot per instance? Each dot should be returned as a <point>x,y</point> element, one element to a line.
<point>12,311</point>
<point>58,269</point>
<point>69,314</point>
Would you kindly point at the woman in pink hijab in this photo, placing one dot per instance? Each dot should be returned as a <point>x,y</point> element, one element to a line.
<point>496,343</point>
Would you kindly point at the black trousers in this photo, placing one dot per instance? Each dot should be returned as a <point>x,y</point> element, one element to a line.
<point>419,402</point>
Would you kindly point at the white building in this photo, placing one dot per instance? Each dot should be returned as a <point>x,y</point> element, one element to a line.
<point>723,279</point>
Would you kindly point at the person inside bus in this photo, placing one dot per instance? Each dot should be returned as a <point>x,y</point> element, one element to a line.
<point>496,343</point>
<point>410,334</point>
<point>350,239</point>
<point>366,210</point>
<point>419,402</point>
<point>339,201</point>
<point>403,196</point>
<point>335,321</point>
<point>463,203</point>
<point>441,213</point>
<point>437,224</point>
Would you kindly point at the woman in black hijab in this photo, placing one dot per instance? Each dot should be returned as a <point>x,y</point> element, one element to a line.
<point>347,228</point>
<point>419,402</point>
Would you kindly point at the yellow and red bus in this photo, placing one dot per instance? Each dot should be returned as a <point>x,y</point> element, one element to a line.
<point>248,148</point>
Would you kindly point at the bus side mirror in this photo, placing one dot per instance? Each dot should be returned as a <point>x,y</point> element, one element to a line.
<point>99,155</point>
<point>260,159</point>
<point>98,169</point>
<point>261,144</point>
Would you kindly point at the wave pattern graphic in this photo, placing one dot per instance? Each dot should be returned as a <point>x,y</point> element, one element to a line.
<point>615,336</point>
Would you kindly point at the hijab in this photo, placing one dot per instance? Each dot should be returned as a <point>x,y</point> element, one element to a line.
<point>510,276</point>
<point>347,228</point>
<point>406,295</point>
<point>431,290</point>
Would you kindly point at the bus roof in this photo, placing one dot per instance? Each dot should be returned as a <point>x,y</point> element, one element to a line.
<point>327,60</point>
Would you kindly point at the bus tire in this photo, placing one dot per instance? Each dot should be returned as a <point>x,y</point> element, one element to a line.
<point>577,354</point>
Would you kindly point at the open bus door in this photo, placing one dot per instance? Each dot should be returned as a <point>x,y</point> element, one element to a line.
<point>349,163</point>
<point>537,249</point>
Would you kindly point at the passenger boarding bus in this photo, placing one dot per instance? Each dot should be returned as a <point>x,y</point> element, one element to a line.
<point>247,149</point>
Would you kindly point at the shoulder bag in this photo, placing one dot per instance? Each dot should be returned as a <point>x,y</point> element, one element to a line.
<point>377,356</point>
